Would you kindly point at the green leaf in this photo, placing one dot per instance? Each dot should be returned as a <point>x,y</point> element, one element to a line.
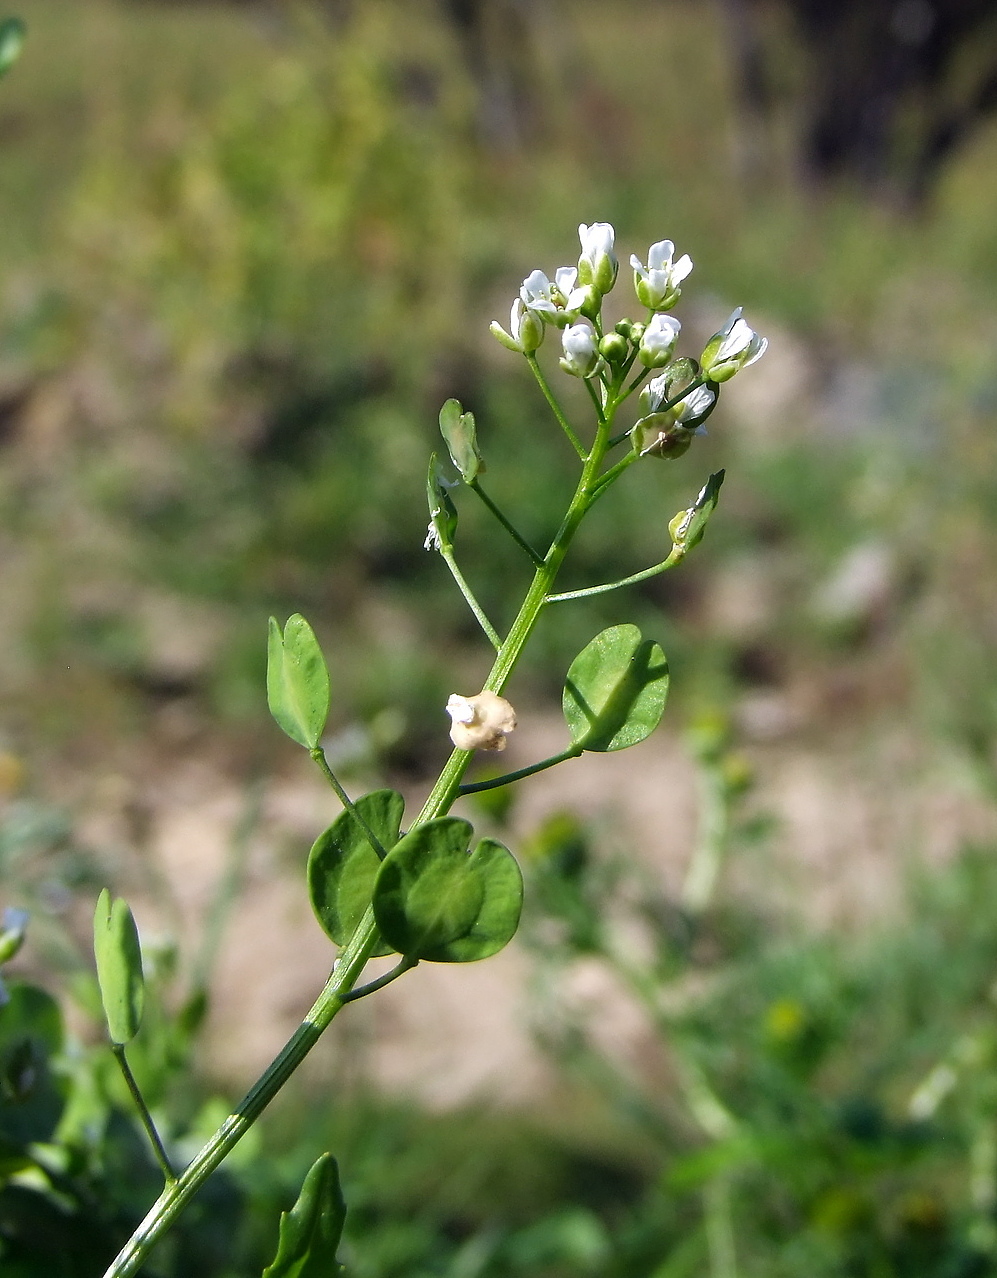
<point>614,695</point>
<point>119,967</point>
<point>342,866</point>
<point>12,33</point>
<point>297,681</point>
<point>688,526</point>
<point>442,511</point>
<point>32,1101</point>
<point>433,900</point>
<point>311,1230</point>
<point>459,431</point>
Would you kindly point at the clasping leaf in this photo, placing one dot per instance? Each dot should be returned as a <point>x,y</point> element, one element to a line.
<point>687,528</point>
<point>442,511</point>
<point>311,1230</point>
<point>614,695</point>
<point>342,865</point>
<point>434,900</point>
<point>459,431</point>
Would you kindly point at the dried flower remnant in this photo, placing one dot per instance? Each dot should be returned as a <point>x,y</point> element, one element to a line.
<point>481,722</point>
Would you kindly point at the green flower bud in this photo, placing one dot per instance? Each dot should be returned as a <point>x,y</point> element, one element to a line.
<point>581,352</point>
<point>657,342</point>
<point>657,284</point>
<point>597,264</point>
<point>614,348</point>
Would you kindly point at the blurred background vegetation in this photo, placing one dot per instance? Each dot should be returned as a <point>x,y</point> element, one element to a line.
<point>247,252</point>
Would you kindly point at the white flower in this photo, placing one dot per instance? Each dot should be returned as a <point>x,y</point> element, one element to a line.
<point>526,330</point>
<point>658,341</point>
<point>535,293</point>
<point>433,539</point>
<point>481,722</point>
<point>565,279</point>
<point>557,302</point>
<point>692,408</point>
<point>581,352</point>
<point>657,284</point>
<point>735,347</point>
<point>669,433</point>
<point>654,394</point>
<point>598,263</point>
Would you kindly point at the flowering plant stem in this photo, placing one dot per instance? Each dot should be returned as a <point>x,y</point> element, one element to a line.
<point>143,1111</point>
<point>350,964</point>
<point>298,680</point>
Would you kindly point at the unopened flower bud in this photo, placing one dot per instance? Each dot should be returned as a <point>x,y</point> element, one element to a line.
<point>481,722</point>
<point>735,347</point>
<point>657,342</point>
<point>598,263</point>
<point>614,348</point>
<point>581,354</point>
<point>657,284</point>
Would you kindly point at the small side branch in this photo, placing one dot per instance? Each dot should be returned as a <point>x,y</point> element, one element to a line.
<point>318,754</point>
<point>513,533</point>
<point>614,472</point>
<point>404,965</point>
<point>596,400</point>
<point>493,783</point>
<point>556,408</point>
<point>472,603</point>
<point>143,1111</point>
<point>670,562</point>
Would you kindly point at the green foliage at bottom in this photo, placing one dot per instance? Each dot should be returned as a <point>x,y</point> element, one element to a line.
<point>851,1084</point>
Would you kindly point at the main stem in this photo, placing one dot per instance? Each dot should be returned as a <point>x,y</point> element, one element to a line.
<point>346,972</point>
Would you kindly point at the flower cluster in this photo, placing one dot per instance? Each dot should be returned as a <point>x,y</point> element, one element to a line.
<point>685,391</point>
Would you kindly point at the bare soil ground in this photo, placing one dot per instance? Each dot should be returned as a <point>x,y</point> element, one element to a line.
<point>850,816</point>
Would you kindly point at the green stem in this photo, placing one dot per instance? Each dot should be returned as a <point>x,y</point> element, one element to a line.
<point>513,533</point>
<point>614,472</point>
<point>479,612</point>
<point>708,856</point>
<point>318,754</point>
<point>719,1226</point>
<point>556,408</point>
<point>645,372</point>
<point>493,783</point>
<point>143,1110</point>
<point>230,883</point>
<point>632,580</point>
<point>596,399</point>
<point>350,964</point>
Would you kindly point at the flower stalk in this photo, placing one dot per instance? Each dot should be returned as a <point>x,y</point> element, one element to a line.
<point>674,401</point>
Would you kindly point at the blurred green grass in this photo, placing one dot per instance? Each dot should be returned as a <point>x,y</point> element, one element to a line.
<point>247,254</point>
